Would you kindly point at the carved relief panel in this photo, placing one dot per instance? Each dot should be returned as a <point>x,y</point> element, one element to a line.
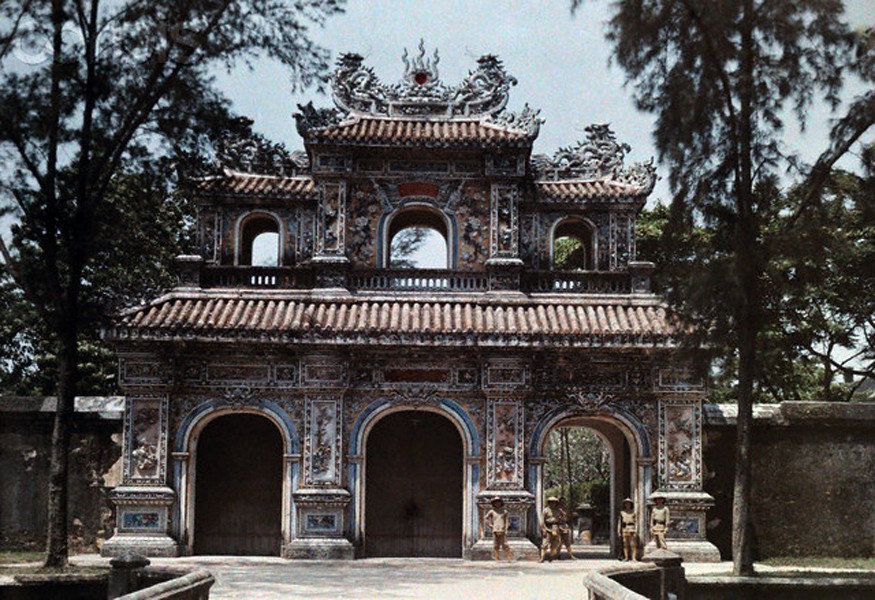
<point>145,437</point>
<point>209,235</point>
<point>680,444</point>
<point>331,219</point>
<point>472,215</point>
<point>305,222</point>
<point>504,443</point>
<point>322,439</point>
<point>504,230</point>
<point>361,230</point>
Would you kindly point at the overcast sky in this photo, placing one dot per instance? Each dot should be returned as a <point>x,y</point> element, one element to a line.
<point>562,63</point>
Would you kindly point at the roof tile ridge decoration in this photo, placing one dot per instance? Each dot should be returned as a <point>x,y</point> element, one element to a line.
<point>420,94</point>
<point>598,158</point>
<point>246,175</point>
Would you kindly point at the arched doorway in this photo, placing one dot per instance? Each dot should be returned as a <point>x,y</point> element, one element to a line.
<point>629,468</point>
<point>238,487</point>
<point>414,486</point>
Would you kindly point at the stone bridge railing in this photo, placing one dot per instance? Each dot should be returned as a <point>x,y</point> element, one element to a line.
<point>601,587</point>
<point>131,578</point>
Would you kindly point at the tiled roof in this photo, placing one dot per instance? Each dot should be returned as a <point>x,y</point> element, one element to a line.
<point>365,129</point>
<point>245,184</point>
<point>478,320</point>
<point>576,189</point>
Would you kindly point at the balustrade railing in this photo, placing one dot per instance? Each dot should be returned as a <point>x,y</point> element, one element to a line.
<point>418,279</point>
<point>596,282</point>
<point>256,277</point>
<point>580,282</point>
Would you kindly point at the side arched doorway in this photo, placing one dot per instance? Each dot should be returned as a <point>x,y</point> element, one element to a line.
<point>238,487</point>
<point>630,468</point>
<point>414,486</point>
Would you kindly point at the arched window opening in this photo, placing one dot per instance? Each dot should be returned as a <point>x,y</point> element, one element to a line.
<point>418,239</point>
<point>573,246</point>
<point>259,242</point>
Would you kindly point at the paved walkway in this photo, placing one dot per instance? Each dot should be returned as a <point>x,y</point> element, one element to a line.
<point>255,578</point>
<point>245,578</point>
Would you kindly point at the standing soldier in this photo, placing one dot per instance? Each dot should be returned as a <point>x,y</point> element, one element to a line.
<point>659,520</point>
<point>627,529</point>
<point>565,528</point>
<point>550,541</point>
<point>496,519</point>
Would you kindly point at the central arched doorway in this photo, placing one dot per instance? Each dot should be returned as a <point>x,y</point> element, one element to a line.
<point>414,486</point>
<point>238,487</point>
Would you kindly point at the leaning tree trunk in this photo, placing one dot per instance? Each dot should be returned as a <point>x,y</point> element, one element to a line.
<point>56,544</point>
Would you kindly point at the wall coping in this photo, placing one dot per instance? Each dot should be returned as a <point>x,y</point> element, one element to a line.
<point>103,407</point>
<point>795,413</point>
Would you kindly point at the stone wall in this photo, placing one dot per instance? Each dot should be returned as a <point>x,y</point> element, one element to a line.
<point>813,469</point>
<point>25,438</point>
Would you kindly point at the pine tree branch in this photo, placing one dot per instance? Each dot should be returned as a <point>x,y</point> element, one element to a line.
<point>858,120</point>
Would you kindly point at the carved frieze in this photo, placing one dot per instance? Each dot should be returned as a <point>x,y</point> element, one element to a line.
<point>331,220</point>
<point>599,156</point>
<point>145,458</point>
<point>356,88</point>
<point>680,444</point>
<point>323,371</point>
<point>504,230</point>
<point>585,401</point>
<point>676,379</point>
<point>322,440</point>
<point>504,443</point>
<point>505,374</point>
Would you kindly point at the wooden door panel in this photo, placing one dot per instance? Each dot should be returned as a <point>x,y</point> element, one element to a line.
<point>238,491</point>
<point>414,487</point>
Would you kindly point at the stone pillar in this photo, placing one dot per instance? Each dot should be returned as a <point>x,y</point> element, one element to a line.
<point>329,260</point>
<point>143,501</point>
<point>503,380</point>
<point>504,263</point>
<point>672,579</point>
<point>321,501</point>
<point>641,272</point>
<point>188,270</point>
<point>123,576</point>
<point>680,478</point>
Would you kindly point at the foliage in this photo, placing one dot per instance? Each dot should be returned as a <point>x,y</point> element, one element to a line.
<point>405,245</point>
<point>587,460</point>
<point>143,230</point>
<point>569,254</point>
<point>93,89</point>
<point>721,78</point>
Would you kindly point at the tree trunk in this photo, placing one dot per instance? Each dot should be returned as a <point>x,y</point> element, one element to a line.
<point>566,469</point>
<point>742,555</point>
<point>747,309</point>
<point>56,544</point>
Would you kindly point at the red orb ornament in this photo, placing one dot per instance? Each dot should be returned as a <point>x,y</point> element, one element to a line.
<point>420,78</point>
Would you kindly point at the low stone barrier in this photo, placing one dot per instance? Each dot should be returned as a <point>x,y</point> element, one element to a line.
<point>192,586</point>
<point>781,588</point>
<point>131,578</point>
<point>601,587</point>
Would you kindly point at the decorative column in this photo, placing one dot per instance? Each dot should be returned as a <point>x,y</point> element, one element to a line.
<point>503,380</point>
<point>504,263</point>
<point>680,478</point>
<point>321,501</point>
<point>330,259</point>
<point>143,501</point>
